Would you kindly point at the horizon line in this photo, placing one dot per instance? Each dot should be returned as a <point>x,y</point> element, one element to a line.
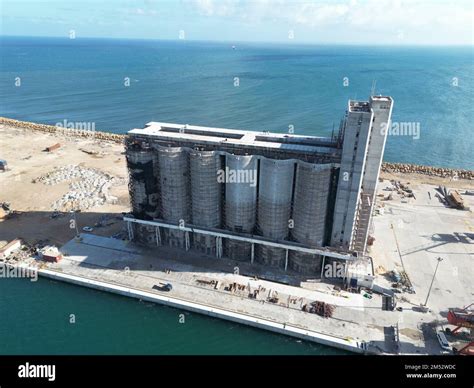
<point>288,42</point>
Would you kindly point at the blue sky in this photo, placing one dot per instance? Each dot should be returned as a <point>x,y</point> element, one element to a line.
<point>306,21</point>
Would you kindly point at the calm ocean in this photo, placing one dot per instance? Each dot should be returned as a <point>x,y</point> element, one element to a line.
<point>83,80</point>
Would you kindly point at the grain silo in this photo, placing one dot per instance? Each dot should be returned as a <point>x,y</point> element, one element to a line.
<point>280,201</point>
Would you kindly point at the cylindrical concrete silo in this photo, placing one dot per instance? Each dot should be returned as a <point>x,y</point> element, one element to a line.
<point>143,188</point>
<point>206,194</point>
<point>143,185</point>
<point>274,207</point>
<point>175,191</point>
<point>240,202</point>
<point>309,213</point>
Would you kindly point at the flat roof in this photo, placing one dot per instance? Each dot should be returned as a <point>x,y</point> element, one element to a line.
<point>182,133</point>
<point>382,98</point>
<point>359,106</point>
<point>365,106</point>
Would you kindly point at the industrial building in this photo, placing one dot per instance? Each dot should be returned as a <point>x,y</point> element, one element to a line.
<point>280,200</point>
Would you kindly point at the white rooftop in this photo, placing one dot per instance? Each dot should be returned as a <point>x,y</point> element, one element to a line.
<point>211,135</point>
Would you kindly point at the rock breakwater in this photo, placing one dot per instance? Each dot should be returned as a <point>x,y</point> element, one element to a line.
<point>63,131</point>
<point>442,172</point>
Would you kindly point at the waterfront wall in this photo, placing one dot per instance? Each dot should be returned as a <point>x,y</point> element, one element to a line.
<point>403,168</point>
<point>347,344</point>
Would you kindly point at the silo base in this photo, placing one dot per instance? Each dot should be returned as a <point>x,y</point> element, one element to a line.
<point>175,238</point>
<point>205,244</point>
<point>274,257</point>
<point>236,250</point>
<point>305,263</point>
<point>145,235</point>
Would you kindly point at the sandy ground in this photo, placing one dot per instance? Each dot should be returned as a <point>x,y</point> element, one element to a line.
<point>23,150</point>
<point>418,179</point>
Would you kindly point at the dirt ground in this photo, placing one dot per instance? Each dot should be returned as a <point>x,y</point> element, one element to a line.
<point>24,152</point>
<point>418,179</point>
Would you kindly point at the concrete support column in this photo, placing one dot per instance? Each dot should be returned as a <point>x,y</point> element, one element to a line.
<point>130,231</point>
<point>346,268</point>
<point>186,240</point>
<point>252,253</point>
<point>218,247</point>
<point>158,236</point>
<point>286,259</point>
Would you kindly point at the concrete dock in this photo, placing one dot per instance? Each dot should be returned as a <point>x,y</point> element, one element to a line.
<point>358,324</point>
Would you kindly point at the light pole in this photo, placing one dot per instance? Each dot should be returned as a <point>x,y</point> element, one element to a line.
<point>440,259</point>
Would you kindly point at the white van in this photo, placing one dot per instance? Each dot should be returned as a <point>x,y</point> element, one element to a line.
<point>442,340</point>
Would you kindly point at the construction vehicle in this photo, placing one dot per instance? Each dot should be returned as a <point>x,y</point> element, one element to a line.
<point>463,318</point>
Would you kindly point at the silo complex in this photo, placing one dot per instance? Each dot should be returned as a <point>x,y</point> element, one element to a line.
<point>280,201</point>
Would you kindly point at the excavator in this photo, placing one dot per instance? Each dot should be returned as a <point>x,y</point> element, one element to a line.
<point>463,318</point>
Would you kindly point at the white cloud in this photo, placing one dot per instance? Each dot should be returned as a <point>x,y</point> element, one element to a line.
<point>414,17</point>
<point>319,14</point>
<point>138,11</point>
<point>217,8</point>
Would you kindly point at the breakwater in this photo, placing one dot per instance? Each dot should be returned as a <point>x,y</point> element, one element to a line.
<point>58,130</point>
<point>442,172</point>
